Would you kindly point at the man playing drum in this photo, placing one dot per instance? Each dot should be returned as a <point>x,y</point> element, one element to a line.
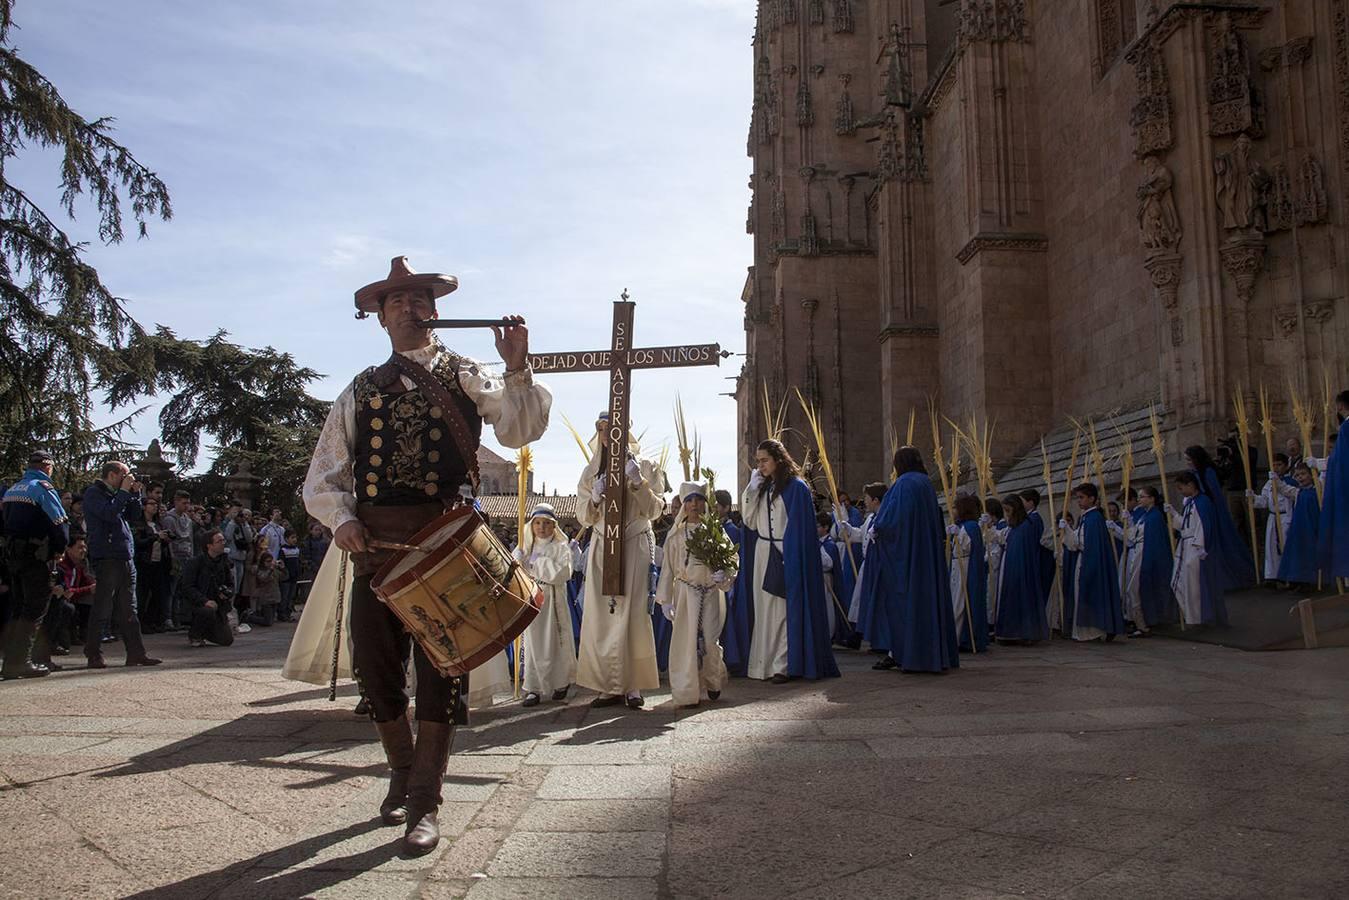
<point>396,448</point>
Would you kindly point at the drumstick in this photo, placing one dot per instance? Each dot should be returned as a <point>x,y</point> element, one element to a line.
<point>392,545</point>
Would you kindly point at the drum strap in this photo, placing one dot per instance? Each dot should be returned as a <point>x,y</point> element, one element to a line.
<point>440,395</point>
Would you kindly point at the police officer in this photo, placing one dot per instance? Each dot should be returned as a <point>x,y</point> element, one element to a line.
<point>37,530</point>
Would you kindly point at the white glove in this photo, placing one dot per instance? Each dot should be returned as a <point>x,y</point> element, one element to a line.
<point>1250,494</point>
<point>633,471</point>
<point>985,520</point>
<point>597,491</point>
<point>1063,524</point>
<point>719,577</point>
<point>1170,510</point>
<point>1273,476</point>
<point>518,554</point>
<point>755,480</point>
<point>668,609</point>
<point>1202,554</point>
<point>952,529</point>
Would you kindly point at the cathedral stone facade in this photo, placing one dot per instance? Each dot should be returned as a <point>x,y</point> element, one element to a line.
<point>1036,209</point>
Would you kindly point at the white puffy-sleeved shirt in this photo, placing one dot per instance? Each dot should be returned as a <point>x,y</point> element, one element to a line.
<point>514,405</point>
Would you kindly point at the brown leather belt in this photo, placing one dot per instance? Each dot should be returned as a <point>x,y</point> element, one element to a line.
<point>394,524</point>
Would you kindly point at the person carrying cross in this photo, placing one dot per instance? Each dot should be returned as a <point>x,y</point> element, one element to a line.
<point>398,445</point>
<point>618,649</point>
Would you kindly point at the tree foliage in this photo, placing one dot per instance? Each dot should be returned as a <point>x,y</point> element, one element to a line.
<point>59,324</point>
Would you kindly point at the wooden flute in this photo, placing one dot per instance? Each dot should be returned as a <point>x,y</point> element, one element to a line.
<point>469,323</point>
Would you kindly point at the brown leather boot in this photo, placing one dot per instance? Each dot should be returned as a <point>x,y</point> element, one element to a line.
<point>396,736</point>
<point>429,759</point>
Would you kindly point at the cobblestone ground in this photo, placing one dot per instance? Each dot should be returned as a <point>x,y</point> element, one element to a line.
<point>1146,768</point>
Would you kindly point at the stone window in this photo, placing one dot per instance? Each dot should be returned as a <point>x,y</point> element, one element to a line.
<point>1116,28</point>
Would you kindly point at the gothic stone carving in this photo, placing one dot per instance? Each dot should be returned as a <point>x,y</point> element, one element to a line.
<point>845,117</point>
<point>1032,243</point>
<point>1319,311</point>
<point>1233,105</point>
<point>1286,320</point>
<point>1150,118</point>
<point>1243,258</point>
<point>1242,187</point>
<point>1165,271</point>
<point>1297,193</point>
<point>815,12</point>
<point>1341,32</point>
<point>1158,221</point>
<point>993,21</point>
<point>1296,52</point>
<point>805,116</point>
<point>901,154</point>
<point>843,19</point>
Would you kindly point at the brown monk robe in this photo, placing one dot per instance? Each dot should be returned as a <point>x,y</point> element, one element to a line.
<point>399,448</point>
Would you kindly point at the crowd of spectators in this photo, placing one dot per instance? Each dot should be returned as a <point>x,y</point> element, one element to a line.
<point>131,560</point>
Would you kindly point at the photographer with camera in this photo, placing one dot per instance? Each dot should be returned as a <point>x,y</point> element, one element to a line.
<point>36,528</point>
<point>112,506</point>
<point>206,587</point>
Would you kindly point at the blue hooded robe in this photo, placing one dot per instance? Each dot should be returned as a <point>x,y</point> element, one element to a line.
<point>1300,551</point>
<point>809,654</point>
<point>1068,584</point>
<point>1154,576</point>
<point>911,614</point>
<point>1213,609</point>
<point>1097,590</point>
<point>739,625</point>
<point>1021,601</point>
<point>976,585</point>
<point>847,577</point>
<point>1046,555</point>
<point>1333,529</point>
<point>1222,541</point>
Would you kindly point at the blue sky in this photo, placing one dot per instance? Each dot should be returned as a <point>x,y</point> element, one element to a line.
<point>550,153</point>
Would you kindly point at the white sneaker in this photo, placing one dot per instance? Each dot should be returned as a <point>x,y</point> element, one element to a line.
<point>243,628</point>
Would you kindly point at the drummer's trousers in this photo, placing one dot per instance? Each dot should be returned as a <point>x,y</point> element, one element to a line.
<point>380,648</point>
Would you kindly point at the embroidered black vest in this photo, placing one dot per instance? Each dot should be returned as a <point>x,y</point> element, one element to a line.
<point>404,452</point>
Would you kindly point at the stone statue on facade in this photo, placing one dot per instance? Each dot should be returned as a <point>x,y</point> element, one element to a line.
<point>1158,219</point>
<point>1242,186</point>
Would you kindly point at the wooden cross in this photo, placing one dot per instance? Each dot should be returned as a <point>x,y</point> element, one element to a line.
<point>619,361</point>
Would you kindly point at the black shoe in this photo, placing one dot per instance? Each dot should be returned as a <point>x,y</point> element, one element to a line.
<point>560,694</point>
<point>144,661</point>
<point>602,701</point>
<point>60,651</point>
<point>531,699</point>
<point>779,679</point>
<point>27,670</point>
<point>714,695</point>
<point>885,664</point>
<point>97,662</point>
<point>50,666</point>
<point>635,702</point>
<point>362,707</point>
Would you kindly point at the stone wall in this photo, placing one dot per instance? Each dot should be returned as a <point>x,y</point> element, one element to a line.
<point>1070,208</point>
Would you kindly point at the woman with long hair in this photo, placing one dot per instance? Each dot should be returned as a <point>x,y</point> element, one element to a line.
<point>790,637</point>
<point>1236,567</point>
<point>906,572</point>
<point>1021,605</point>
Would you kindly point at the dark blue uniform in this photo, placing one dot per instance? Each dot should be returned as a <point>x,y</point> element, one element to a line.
<point>36,531</point>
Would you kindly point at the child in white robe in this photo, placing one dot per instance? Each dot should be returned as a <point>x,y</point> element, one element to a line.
<point>550,651</point>
<point>1275,540</point>
<point>693,598</point>
<point>1186,578</point>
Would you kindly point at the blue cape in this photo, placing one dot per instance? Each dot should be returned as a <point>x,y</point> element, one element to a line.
<point>740,604</point>
<point>1046,555</point>
<point>1213,609</point>
<point>1236,568</point>
<point>662,629</point>
<point>843,633</point>
<point>1021,603</point>
<point>976,584</point>
<point>1098,577</point>
<point>1154,578</point>
<point>1333,531</point>
<point>911,613</point>
<point>574,595</point>
<point>809,654</point>
<point>1300,552</point>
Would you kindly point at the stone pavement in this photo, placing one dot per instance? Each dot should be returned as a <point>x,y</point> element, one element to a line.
<point>1138,769</point>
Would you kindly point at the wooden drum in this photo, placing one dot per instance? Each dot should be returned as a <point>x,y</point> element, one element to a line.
<point>458,591</point>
